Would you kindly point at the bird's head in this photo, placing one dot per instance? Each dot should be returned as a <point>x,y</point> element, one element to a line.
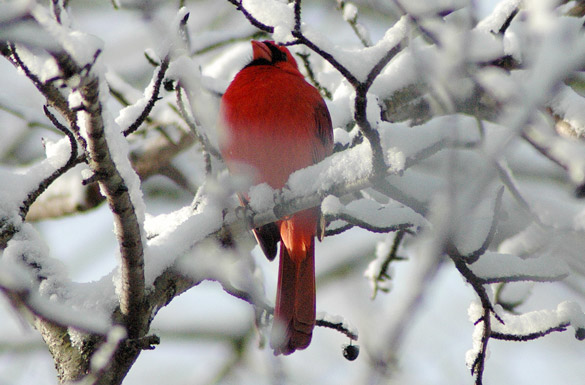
<point>269,53</point>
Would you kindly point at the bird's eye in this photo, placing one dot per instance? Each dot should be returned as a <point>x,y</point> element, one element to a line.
<point>277,54</point>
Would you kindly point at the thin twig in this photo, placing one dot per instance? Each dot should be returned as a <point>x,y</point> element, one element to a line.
<point>416,21</point>
<point>73,160</point>
<point>57,9</point>
<point>251,19</point>
<point>338,230</point>
<point>478,364</point>
<point>210,47</point>
<point>164,65</point>
<point>474,256</point>
<point>323,90</point>
<point>508,21</point>
<point>64,130</point>
<point>357,222</point>
<point>54,97</point>
<point>353,23</point>
<point>192,123</point>
<point>392,256</point>
<point>337,326</point>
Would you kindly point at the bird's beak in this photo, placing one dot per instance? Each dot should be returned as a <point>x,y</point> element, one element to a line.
<point>261,51</point>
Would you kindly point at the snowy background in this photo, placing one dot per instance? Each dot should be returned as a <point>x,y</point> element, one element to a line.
<point>198,329</point>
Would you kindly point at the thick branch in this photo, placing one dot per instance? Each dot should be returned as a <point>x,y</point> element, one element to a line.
<point>126,222</point>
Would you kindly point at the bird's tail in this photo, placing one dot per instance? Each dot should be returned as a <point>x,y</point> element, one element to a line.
<point>294,312</point>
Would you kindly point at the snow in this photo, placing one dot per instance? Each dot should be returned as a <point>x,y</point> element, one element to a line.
<point>360,61</point>
<point>341,136</point>
<point>176,234</point>
<point>332,205</point>
<point>129,114</point>
<point>484,46</point>
<point>14,277</point>
<point>103,355</point>
<point>346,167</point>
<point>204,107</point>
<point>567,312</point>
<point>261,197</point>
<point>350,12</point>
<point>496,19</point>
<point>277,13</point>
<point>81,46</point>
<point>340,107</point>
<point>573,153</point>
<point>337,320</point>
<point>498,83</point>
<point>51,298</point>
<point>14,10</point>
<point>431,7</point>
<point>412,141</point>
<point>374,268</point>
<point>496,267</point>
<point>368,213</point>
<point>58,153</point>
<point>569,106</point>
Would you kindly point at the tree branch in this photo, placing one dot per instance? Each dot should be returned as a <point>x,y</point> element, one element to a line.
<point>125,220</point>
<point>530,336</point>
<point>160,75</point>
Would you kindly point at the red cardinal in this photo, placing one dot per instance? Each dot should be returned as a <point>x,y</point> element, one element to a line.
<point>273,122</point>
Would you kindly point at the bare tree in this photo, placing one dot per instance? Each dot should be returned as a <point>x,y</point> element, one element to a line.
<point>458,136</point>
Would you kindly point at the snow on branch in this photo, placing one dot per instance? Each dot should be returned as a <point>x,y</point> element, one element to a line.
<point>144,106</point>
<point>536,324</point>
<point>496,267</point>
<point>372,216</point>
<point>337,323</point>
<point>34,282</point>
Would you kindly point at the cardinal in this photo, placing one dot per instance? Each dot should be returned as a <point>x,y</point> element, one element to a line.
<point>272,123</point>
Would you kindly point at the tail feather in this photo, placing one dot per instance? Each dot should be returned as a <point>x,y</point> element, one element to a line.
<point>294,313</point>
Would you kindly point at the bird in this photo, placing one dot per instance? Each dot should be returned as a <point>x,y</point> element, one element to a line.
<point>272,122</point>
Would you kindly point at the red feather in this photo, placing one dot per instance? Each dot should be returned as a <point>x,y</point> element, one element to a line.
<point>272,123</point>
